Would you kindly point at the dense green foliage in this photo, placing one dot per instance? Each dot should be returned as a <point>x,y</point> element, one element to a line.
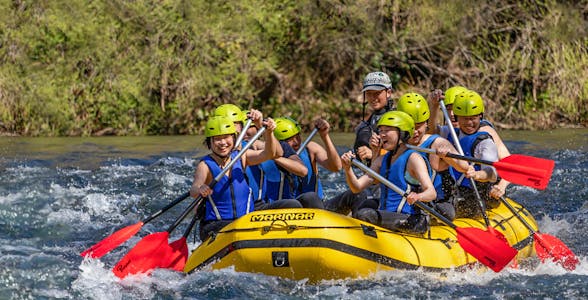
<point>159,67</point>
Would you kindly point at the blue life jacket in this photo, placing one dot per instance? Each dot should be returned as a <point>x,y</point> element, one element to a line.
<point>311,182</point>
<point>435,177</point>
<point>468,145</point>
<point>231,197</point>
<point>254,174</point>
<point>272,183</point>
<point>389,199</point>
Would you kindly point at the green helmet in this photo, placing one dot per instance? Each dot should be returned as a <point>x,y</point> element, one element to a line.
<point>231,111</point>
<point>400,120</point>
<point>286,128</point>
<point>451,92</point>
<point>467,104</point>
<point>219,125</point>
<point>415,105</point>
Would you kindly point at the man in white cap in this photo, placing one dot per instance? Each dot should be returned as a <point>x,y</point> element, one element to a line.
<point>377,91</point>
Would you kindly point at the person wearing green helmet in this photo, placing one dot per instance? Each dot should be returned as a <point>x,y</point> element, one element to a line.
<point>469,109</point>
<point>498,190</point>
<point>312,155</point>
<point>416,106</point>
<point>277,180</point>
<point>395,211</point>
<point>223,204</point>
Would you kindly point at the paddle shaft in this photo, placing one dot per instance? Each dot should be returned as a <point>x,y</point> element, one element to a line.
<point>243,132</point>
<point>305,143</point>
<point>460,150</point>
<point>514,212</point>
<point>456,156</point>
<point>398,190</point>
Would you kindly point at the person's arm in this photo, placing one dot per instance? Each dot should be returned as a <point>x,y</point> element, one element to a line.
<point>443,146</point>
<point>417,168</point>
<point>202,177</point>
<point>485,150</point>
<point>498,190</point>
<point>327,157</point>
<point>293,164</point>
<point>355,184</point>
<point>434,104</point>
<point>271,149</point>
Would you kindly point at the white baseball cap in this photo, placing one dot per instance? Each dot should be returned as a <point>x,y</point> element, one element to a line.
<point>376,81</point>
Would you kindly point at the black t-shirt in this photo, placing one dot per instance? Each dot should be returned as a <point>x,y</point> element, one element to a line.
<point>288,150</point>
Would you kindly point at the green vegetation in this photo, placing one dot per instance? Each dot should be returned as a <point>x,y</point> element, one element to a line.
<point>160,67</point>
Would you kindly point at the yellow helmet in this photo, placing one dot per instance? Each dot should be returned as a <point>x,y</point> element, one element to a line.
<point>451,92</point>
<point>286,128</point>
<point>415,105</point>
<point>219,125</point>
<point>468,104</point>
<point>400,120</point>
<point>231,111</point>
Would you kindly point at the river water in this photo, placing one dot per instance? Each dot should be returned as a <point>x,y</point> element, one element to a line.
<point>59,196</point>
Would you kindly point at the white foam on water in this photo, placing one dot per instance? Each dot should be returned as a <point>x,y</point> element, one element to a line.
<point>95,281</point>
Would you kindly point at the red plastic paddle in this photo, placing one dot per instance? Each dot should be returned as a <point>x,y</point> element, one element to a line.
<point>120,236</point>
<point>487,248</point>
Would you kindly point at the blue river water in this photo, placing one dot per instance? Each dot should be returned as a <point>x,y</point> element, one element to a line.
<point>59,196</point>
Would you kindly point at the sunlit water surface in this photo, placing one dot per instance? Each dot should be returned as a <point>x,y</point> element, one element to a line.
<point>59,196</point>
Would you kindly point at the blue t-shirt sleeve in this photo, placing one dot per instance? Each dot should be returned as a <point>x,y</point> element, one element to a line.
<point>288,150</point>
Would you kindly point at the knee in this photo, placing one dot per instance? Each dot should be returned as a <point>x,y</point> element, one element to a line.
<point>368,214</point>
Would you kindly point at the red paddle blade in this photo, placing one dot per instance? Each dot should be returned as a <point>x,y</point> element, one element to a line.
<point>485,247</point>
<point>526,170</point>
<point>145,256</point>
<point>112,241</point>
<point>548,246</point>
<point>178,256</point>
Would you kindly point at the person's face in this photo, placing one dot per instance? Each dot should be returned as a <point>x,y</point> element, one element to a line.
<point>470,124</point>
<point>294,142</point>
<point>251,131</point>
<point>377,99</point>
<point>419,131</point>
<point>238,127</point>
<point>452,116</point>
<point>389,137</point>
<point>222,145</point>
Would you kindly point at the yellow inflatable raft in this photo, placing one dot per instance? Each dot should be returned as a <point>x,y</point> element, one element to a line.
<point>322,245</point>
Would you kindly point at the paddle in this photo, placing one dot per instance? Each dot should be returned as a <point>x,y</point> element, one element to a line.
<point>154,250</point>
<point>242,133</point>
<point>484,246</point>
<point>481,203</point>
<point>305,143</point>
<point>547,246</point>
<point>176,260</point>
<point>516,168</point>
<point>120,236</point>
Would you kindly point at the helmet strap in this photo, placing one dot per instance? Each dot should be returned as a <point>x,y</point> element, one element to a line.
<point>363,108</point>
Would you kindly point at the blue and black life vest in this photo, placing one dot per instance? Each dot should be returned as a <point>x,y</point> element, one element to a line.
<point>273,187</point>
<point>389,199</point>
<point>231,197</point>
<point>435,177</point>
<point>311,182</point>
<point>254,175</point>
<point>468,145</point>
